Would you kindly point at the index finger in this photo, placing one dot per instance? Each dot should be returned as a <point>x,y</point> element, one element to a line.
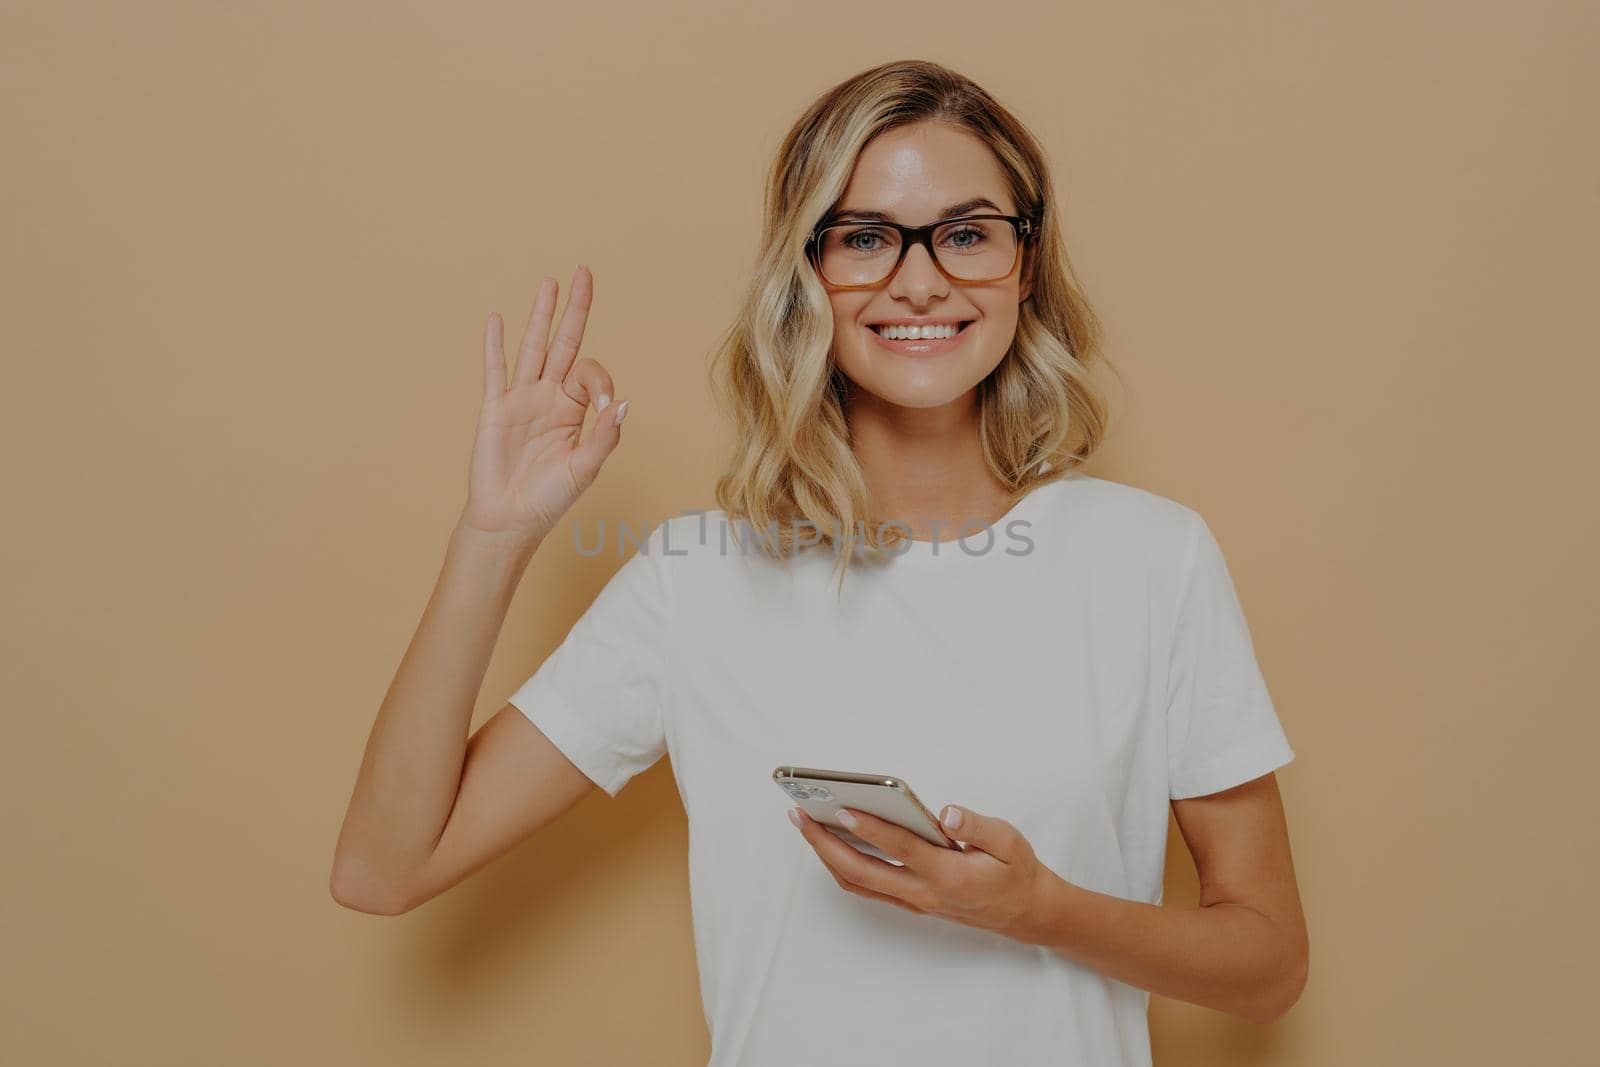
<point>855,866</point>
<point>564,349</point>
<point>897,841</point>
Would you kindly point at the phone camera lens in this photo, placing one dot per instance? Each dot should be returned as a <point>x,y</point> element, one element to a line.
<point>801,791</point>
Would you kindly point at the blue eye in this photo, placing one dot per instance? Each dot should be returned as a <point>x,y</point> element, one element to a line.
<point>853,240</point>
<point>977,236</point>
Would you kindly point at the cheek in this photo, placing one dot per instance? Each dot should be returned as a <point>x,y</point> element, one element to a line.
<point>1000,308</point>
<point>845,312</point>
<point>843,331</point>
<point>999,325</point>
<point>847,338</point>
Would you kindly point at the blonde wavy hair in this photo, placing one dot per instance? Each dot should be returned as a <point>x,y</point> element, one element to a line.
<point>793,473</point>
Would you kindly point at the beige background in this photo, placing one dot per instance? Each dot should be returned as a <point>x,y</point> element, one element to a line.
<point>1345,253</point>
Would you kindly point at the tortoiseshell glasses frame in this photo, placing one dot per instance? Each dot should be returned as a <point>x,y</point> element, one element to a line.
<point>915,235</point>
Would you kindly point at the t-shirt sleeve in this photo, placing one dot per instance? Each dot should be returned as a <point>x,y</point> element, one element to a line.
<point>1222,728</point>
<point>599,696</point>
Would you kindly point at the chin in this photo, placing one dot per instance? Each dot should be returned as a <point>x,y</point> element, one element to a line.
<point>914,385</point>
<point>921,393</point>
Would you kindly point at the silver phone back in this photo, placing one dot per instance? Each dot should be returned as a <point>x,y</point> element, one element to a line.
<point>821,793</point>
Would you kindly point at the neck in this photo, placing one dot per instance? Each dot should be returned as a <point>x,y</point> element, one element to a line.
<point>924,466</point>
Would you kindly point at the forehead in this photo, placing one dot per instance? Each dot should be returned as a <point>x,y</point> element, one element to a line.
<point>915,173</point>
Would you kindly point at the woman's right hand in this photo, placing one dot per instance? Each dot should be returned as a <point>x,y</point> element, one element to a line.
<point>528,465</point>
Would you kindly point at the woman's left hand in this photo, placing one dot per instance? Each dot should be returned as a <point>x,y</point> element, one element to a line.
<point>993,883</point>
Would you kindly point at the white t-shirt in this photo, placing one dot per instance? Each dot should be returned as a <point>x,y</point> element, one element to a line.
<point>1091,665</point>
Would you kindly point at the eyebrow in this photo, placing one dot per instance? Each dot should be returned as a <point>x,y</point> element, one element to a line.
<point>962,208</point>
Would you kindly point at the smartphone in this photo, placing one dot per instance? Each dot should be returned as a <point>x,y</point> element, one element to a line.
<point>822,793</point>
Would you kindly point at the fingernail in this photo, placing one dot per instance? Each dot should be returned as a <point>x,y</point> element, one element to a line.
<point>952,817</point>
<point>847,819</point>
<point>794,816</point>
<point>600,405</point>
<point>622,410</point>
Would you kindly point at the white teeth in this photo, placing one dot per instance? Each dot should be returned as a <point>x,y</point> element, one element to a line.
<point>916,333</point>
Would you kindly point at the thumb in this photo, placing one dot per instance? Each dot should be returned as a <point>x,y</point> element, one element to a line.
<point>602,439</point>
<point>994,836</point>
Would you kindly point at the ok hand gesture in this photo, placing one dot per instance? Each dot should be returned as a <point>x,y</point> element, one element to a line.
<point>528,463</point>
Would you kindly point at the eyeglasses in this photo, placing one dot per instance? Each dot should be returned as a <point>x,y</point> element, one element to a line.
<point>969,248</point>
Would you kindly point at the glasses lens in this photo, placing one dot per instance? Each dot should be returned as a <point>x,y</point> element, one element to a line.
<point>975,250</point>
<point>858,254</point>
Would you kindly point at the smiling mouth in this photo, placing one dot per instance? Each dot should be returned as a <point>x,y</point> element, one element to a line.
<point>920,333</point>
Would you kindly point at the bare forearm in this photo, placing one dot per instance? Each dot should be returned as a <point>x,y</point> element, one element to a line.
<point>1223,956</point>
<point>411,769</point>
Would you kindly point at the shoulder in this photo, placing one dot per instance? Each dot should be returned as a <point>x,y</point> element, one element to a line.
<point>694,533</point>
<point>697,545</point>
<point>1116,515</point>
<point>1120,533</point>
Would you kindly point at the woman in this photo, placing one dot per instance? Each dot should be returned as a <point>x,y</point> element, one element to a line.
<point>909,366</point>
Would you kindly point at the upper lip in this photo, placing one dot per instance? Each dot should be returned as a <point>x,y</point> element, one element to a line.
<point>929,320</point>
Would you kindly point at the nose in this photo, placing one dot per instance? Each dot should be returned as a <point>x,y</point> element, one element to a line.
<point>919,279</point>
